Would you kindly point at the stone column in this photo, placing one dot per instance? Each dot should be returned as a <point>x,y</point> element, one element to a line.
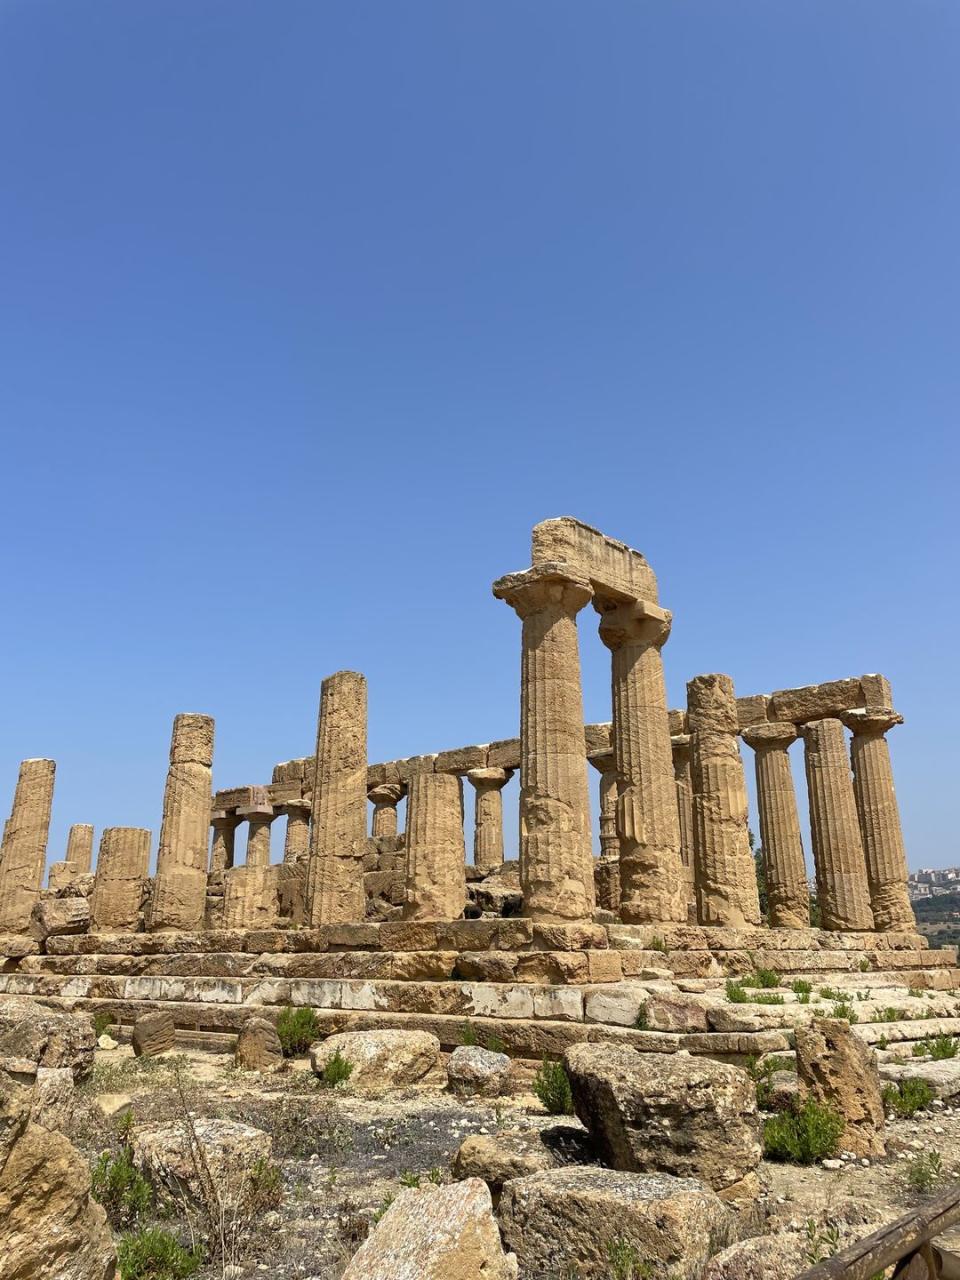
<point>77,860</point>
<point>725,877</point>
<point>842,891</point>
<point>488,818</point>
<point>23,852</point>
<point>180,885</point>
<point>879,816</point>
<point>648,824</point>
<point>122,865</point>
<point>606,869</point>
<point>556,862</point>
<point>436,875</point>
<point>385,799</point>
<point>224,825</point>
<point>788,894</point>
<point>296,842</point>
<point>683,780</point>
<point>258,818</point>
<point>338,836</point>
<point>293,869</point>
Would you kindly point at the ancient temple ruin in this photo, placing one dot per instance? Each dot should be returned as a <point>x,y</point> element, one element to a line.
<point>374,926</point>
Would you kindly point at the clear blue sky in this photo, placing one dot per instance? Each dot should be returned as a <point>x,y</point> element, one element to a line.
<point>309,311</point>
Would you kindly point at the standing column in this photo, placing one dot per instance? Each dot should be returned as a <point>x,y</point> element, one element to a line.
<point>651,878</point>
<point>788,894</point>
<point>726,880</point>
<point>556,862</point>
<point>436,875</point>
<point>121,874</point>
<point>606,869</point>
<point>258,818</point>
<point>293,869</point>
<point>338,835</point>
<point>842,891</point>
<point>77,860</point>
<point>385,799</point>
<point>488,818</point>
<point>23,853</point>
<point>180,885</point>
<point>879,816</point>
<point>683,780</point>
<point>224,825</point>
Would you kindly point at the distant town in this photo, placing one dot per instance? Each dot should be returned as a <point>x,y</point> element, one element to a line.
<point>930,882</point>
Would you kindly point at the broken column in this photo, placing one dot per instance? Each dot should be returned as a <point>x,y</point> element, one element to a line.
<point>556,863</point>
<point>338,835</point>
<point>222,854</point>
<point>648,824</point>
<point>180,885</point>
<point>606,870</point>
<point>23,852</point>
<point>788,895</point>
<point>436,877</point>
<point>258,817</point>
<point>385,799</point>
<point>122,865</point>
<point>78,859</point>
<point>683,779</point>
<point>488,818</point>
<point>842,891</point>
<point>725,876</point>
<point>879,817</point>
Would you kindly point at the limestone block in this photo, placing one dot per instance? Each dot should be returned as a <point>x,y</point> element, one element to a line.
<point>618,1005</point>
<point>383,774</point>
<point>23,851</point>
<point>753,709</point>
<point>498,1158</point>
<point>52,1098</point>
<point>180,885</point>
<point>153,1033</point>
<point>45,1037</point>
<point>436,883</point>
<point>475,1071</point>
<point>58,916</point>
<point>598,739</point>
<point>163,1153</point>
<point>504,754</point>
<point>612,567</point>
<point>816,701</point>
<point>258,1046</point>
<point>121,875</point>
<point>461,759</point>
<point>381,1060</point>
<point>838,1070</point>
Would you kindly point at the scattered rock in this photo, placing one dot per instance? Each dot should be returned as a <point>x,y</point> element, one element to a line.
<point>496,1158</point>
<point>164,1154</point>
<point>106,1042</point>
<point>52,1097</point>
<point>678,1114</point>
<point>439,1233</point>
<point>380,1059</point>
<point>943,1075</point>
<point>474,1070</point>
<point>565,1221</point>
<point>839,1070</point>
<point>258,1046</point>
<point>54,916</point>
<point>154,1033</point>
<point>33,1036</point>
<point>783,1091</point>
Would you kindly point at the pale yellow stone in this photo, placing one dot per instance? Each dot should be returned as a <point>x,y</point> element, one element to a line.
<point>23,852</point>
<point>180,885</point>
<point>788,894</point>
<point>436,886</point>
<point>488,817</point>
<point>118,884</point>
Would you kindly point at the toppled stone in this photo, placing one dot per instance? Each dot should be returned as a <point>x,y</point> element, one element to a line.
<point>380,1059</point>
<point>943,1075</point>
<point>472,1069</point>
<point>34,1036</point>
<point>258,1046</point>
<point>153,1033</point>
<point>52,1097</point>
<point>564,1221</point>
<point>441,1233</point>
<point>163,1152</point>
<point>674,1113</point>
<point>54,916</point>
<point>106,1042</point>
<point>838,1070</point>
<point>498,1157</point>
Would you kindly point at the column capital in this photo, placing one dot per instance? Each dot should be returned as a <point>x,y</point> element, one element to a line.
<point>226,818</point>
<point>634,622</point>
<point>554,585</point>
<point>256,813</point>
<point>605,763</point>
<point>292,809</point>
<point>871,721</point>
<point>489,779</point>
<point>775,735</point>
<point>386,793</point>
<point>680,743</point>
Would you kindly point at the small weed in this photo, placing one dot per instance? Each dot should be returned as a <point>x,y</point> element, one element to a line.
<point>102,1022</point>
<point>822,1242</point>
<point>907,1098</point>
<point>552,1086</point>
<point>336,1072</point>
<point>156,1255</point>
<point>408,1179</point>
<point>298,1029</point>
<point>833,993</point>
<point>265,1186</point>
<point>435,1175</point>
<point>122,1190</point>
<point>640,1022</point>
<point>736,993</point>
<point>803,1136</point>
<point>882,1042</point>
<point>864,965</point>
<point>494,1044</point>
<point>845,1011</point>
<point>892,1015</point>
<point>800,987</point>
<point>768,998</point>
<point>468,1035</point>
<point>925,1171</point>
<point>384,1205</point>
<point>761,978</point>
<point>915,992</point>
<point>626,1262</point>
<point>657,944</point>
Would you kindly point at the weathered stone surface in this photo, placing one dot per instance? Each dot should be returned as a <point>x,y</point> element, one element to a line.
<point>223,850</point>
<point>474,1070</point>
<point>488,817</point>
<point>251,896</point>
<point>436,887</point>
<point>121,874</point>
<point>153,1033</point>
<point>58,916</point>
<point>670,1112</point>
<point>23,850</point>
<point>837,1069</point>
<point>45,1037</point>
<point>438,1233</point>
<point>563,1221</point>
<point>162,1152</point>
<point>180,885</point>
<point>380,1059</point>
<point>52,1097</point>
<point>258,1046</point>
<point>788,895</point>
<point>498,1157</point>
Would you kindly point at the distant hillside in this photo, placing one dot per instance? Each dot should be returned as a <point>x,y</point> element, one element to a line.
<point>939,919</point>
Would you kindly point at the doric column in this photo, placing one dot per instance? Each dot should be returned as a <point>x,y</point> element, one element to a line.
<point>293,869</point>
<point>556,862</point>
<point>488,818</point>
<point>118,884</point>
<point>606,766</point>
<point>23,852</point>
<point>879,816</point>
<point>683,780</point>
<point>436,877</point>
<point>725,877</point>
<point>77,860</point>
<point>788,894</point>
<point>842,891</point>
<point>180,885</point>
<point>385,799</point>
<point>296,842</point>
<point>258,818</point>
<point>338,835</point>
<point>251,898</point>
<point>222,854</point>
<point>651,880</point>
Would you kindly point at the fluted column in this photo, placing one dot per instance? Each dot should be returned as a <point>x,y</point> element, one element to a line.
<point>683,780</point>
<point>842,891</point>
<point>385,799</point>
<point>118,884</point>
<point>879,817</point>
<point>222,854</point>
<point>651,880</point>
<point>556,862</point>
<point>293,869</point>
<point>23,852</point>
<point>725,876</point>
<point>258,817</point>
<point>180,885</point>
<point>788,894</point>
<point>436,886</point>
<point>488,818</point>
<point>338,834</point>
<point>606,868</point>
<point>78,858</point>
<point>296,841</point>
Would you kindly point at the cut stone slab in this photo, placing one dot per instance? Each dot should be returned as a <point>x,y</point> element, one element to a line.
<point>473,1070</point>
<point>30,1033</point>
<point>942,1076</point>
<point>258,1046</point>
<point>162,1152</point>
<point>380,1059</point>
<point>154,1033</point>
<point>496,1158</point>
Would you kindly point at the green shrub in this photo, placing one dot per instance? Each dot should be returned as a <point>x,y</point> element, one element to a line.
<point>102,1022</point>
<point>552,1086</point>
<point>864,965</point>
<point>845,1011</point>
<point>925,1171</point>
<point>892,1015</point>
<point>626,1262</point>
<point>640,1021</point>
<point>264,1187</point>
<point>156,1255</point>
<point>298,1029</point>
<point>336,1072</point>
<point>736,993</point>
<point>943,1046</point>
<point>907,1097</point>
<point>768,998</point>
<point>882,1042</point>
<point>122,1190</point>
<point>468,1035</point>
<point>810,1133</point>
<point>762,978</point>
<point>801,987</point>
<point>833,993</point>
<point>657,944</point>
<point>408,1179</point>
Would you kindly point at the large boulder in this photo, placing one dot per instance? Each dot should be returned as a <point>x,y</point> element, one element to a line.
<point>837,1069</point>
<point>53,1098</point>
<point>472,1070</point>
<point>498,1157</point>
<point>579,1221</point>
<point>258,1046</point>
<point>438,1233</point>
<point>166,1154</point>
<point>380,1059</point>
<point>668,1112</point>
<point>33,1036</point>
<point>154,1033</point>
<point>55,916</point>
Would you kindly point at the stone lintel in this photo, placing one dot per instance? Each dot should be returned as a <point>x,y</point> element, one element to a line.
<point>256,811</point>
<point>615,570</point>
